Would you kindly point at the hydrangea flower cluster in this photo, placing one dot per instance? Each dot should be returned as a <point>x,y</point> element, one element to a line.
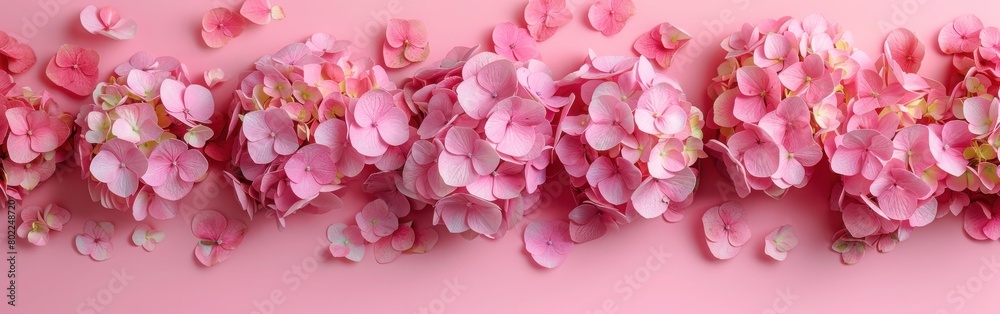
<point>34,135</point>
<point>307,119</point>
<point>141,141</point>
<point>629,145</point>
<point>776,94</point>
<point>976,56</point>
<point>895,151</point>
<point>485,139</point>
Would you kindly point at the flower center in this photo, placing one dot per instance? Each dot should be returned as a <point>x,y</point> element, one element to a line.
<point>495,95</point>
<point>374,221</point>
<point>727,227</point>
<point>273,134</point>
<point>122,166</point>
<point>469,155</point>
<point>549,242</point>
<point>308,168</point>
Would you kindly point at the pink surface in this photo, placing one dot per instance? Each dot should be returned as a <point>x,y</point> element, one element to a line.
<point>938,270</point>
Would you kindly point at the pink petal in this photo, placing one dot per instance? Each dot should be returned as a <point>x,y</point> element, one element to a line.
<point>208,225</point>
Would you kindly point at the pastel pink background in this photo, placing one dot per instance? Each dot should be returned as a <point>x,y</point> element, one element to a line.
<point>923,274</point>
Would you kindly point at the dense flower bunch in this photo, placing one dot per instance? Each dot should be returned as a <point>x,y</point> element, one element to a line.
<point>141,141</point>
<point>485,140</point>
<point>33,138</point>
<point>898,151</point>
<point>777,92</point>
<point>629,144</point>
<point>307,119</point>
<point>976,55</point>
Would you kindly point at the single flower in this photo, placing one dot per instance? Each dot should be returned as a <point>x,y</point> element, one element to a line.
<point>145,236</point>
<point>119,164</point>
<point>514,43</point>
<point>779,242</point>
<point>219,26</point>
<point>96,240</point>
<point>74,68</point>
<point>726,229</point>
<point>217,236</point>
<point>544,17</point>
<point>108,22</point>
<point>346,241</point>
<point>609,16</point>
<point>405,43</point>
<point>548,242</point>
<point>173,169</point>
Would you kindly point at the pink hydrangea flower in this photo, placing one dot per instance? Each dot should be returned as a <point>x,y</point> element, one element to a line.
<point>191,104</point>
<point>173,169</point>
<point>217,236</point>
<point>899,191</point>
<point>874,94</point>
<point>119,164</point>
<point>611,121</point>
<point>609,16</point>
<point>136,123</point>
<point>309,169</point>
<point>544,17</point>
<point>982,221</point>
<point>726,230</point>
<point>96,240</point>
<point>514,43</point>
<point>948,144</point>
<point>389,248</point>
<point>74,68</point>
<point>761,156</point>
<point>463,212</point>
<point>20,57</point>
<point>108,22</point>
<point>465,157</point>
<point>378,124</point>
<point>759,93</point>
<point>219,26</point>
<point>32,133</point>
<point>779,242</point>
<point>775,54</point>
<point>548,242</point>
<point>588,222</point>
<point>862,152</point>
<point>36,222</point>
<point>961,35</point>
<point>405,43</point>
<point>376,221</point>
<point>906,49</point>
<point>511,125</point>
<point>661,43</point>
<point>654,196</point>
<point>346,241</point>
<point>269,133</point>
<point>614,179</point>
<point>145,236</point>
<point>493,83</point>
